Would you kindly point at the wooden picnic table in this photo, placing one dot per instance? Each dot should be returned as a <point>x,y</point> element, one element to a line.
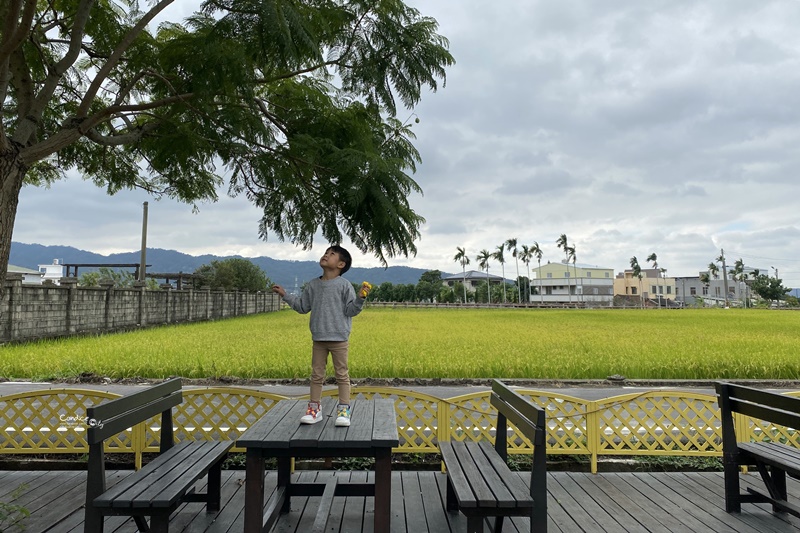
<point>279,434</point>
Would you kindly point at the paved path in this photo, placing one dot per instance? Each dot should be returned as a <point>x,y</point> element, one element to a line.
<point>586,390</point>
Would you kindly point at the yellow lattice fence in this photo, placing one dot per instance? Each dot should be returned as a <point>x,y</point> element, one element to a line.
<point>650,423</point>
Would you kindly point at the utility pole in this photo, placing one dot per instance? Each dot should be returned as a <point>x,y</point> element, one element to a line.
<point>724,275</point>
<point>143,256</point>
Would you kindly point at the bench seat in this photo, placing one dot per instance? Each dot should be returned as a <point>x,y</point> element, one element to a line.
<point>165,481</point>
<point>482,480</point>
<point>773,454</point>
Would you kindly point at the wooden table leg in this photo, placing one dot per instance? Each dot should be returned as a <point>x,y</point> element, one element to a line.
<point>284,480</point>
<point>383,489</point>
<point>254,491</point>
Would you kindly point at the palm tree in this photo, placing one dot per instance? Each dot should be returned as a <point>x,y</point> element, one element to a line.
<point>562,242</point>
<point>511,246</point>
<point>461,257</point>
<point>498,254</point>
<point>571,255</point>
<point>637,271</point>
<point>483,261</point>
<point>537,251</point>
<point>653,258</point>
<point>526,255</point>
<point>741,276</point>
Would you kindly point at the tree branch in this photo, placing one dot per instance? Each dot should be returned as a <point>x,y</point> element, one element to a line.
<point>29,124</point>
<point>116,56</point>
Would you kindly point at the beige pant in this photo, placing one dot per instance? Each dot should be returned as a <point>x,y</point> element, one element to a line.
<point>319,362</point>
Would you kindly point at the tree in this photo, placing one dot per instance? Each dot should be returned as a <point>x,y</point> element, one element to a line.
<point>296,102</point>
<point>429,286</point>
<point>525,256</point>
<point>483,262</point>
<point>637,272</point>
<point>233,274</point>
<point>511,246</point>
<point>571,256</point>
<point>120,278</point>
<point>768,288</point>
<point>461,257</point>
<point>653,258</point>
<point>562,242</point>
<point>537,251</point>
<point>741,276</point>
<point>498,255</point>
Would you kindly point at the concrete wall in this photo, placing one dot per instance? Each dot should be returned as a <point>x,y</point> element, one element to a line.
<point>30,312</point>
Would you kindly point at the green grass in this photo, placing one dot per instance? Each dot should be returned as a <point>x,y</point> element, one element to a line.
<point>446,343</point>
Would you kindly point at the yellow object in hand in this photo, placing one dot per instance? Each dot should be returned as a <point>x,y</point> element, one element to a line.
<point>366,286</point>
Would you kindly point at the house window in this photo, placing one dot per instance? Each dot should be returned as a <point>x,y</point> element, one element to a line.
<point>566,274</point>
<point>633,290</point>
<point>588,274</point>
<point>549,274</point>
<point>669,289</point>
<point>693,291</point>
<point>608,274</point>
<point>653,289</point>
<point>705,291</point>
<point>660,289</point>
<point>595,291</point>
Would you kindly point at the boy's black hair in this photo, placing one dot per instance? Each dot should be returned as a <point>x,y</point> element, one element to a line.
<point>344,255</point>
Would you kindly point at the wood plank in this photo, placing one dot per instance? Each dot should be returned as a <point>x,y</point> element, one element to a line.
<point>706,487</point>
<point>385,424</point>
<point>610,516</point>
<point>412,502</point>
<point>459,482</point>
<point>432,500</point>
<point>518,489</point>
<point>324,505</point>
<point>172,486</point>
<point>706,518</point>
<point>272,428</point>
<point>353,515</point>
<point>398,518</point>
<point>309,435</point>
<point>635,504</point>
<point>490,472</point>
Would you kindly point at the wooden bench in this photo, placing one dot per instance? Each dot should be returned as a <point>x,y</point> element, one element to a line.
<point>164,483</point>
<point>772,459</point>
<point>479,482</point>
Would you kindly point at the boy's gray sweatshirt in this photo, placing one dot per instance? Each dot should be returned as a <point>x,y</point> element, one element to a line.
<point>333,304</point>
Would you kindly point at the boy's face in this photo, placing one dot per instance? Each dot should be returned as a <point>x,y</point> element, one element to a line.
<point>331,260</point>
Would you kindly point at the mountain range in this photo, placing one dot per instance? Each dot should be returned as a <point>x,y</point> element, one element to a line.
<point>282,272</point>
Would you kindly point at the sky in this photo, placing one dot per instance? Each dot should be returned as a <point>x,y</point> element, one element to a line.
<point>667,127</point>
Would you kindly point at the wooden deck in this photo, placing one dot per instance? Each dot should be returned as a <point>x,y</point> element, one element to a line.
<point>578,502</point>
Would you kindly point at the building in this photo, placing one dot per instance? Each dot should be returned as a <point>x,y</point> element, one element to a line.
<point>29,277</point>
<point>654,285</point>
<point>691,290</point>
<point>567,283</point>
<point>52,272</point>
<point>472,278</point>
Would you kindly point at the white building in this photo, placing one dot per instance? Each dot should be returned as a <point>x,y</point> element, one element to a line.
<point>29,277</point>
<point>567,283</point>
<point>53,272</point>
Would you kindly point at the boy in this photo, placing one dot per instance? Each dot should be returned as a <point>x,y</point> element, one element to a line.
<point>333,303</point>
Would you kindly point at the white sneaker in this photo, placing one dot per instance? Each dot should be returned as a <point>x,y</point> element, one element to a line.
<point>343,415</point>
<point>313,414</point>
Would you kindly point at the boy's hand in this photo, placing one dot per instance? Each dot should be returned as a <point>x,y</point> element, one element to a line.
<point>366,286</point>
<point>279,290</point>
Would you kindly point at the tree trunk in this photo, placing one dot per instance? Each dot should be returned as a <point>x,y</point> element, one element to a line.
<point>12,173</point>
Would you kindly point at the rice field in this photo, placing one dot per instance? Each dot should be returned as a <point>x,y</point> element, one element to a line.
<point>443,343</point>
